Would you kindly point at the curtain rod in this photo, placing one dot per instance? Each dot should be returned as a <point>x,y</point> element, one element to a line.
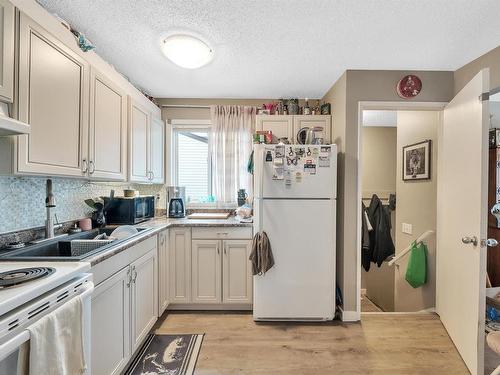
<point>185,106</point>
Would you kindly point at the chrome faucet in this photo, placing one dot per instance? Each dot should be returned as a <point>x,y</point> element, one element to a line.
<point>50,203</point>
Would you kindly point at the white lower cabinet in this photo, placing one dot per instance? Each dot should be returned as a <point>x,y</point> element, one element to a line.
<point>206,271</point>
<point>163,272</point>
<point>111,324</point>
<point>210,266</point>
<point>237,281</point>
<point>180,265</point>
<point>124,306</point>
<point>144,297</point>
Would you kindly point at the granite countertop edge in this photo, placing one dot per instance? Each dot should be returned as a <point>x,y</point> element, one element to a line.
<point>157,225</point>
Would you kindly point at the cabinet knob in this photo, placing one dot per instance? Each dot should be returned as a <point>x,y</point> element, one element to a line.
<point>92,167</point>
<point>85,167</point>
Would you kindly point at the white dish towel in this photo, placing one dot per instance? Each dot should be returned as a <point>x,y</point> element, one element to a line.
<point>56,342</point>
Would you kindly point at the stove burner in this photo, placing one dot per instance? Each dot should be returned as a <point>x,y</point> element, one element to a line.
<point>23,275</point>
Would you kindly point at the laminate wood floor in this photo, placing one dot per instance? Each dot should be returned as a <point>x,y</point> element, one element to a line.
<point>380,344</point>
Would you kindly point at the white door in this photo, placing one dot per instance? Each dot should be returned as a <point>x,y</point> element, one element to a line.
<point>53,99</point>
<point>6,50</point>
<point>206,271</point>
<point>236,271</point>
<point>139,119</point>
<point>462,212</point>
<point>144,297</point>
<point>108,129</point>
<point>180,265</point>
<point>111,324</point>
<point>157,169</point>
<point>163,272</point>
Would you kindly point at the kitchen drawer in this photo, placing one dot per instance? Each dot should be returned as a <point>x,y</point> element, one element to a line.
<point>222,233</point>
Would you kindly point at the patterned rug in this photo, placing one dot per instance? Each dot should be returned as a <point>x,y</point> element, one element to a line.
<point>167,355</point>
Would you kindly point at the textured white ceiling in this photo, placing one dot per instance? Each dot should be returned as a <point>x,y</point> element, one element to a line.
<point>282,48</point>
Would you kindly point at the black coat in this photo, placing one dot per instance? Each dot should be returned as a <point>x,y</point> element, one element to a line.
<point>381,244</point>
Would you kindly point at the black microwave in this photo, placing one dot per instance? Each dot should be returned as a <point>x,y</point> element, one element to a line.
<point>122,210</point>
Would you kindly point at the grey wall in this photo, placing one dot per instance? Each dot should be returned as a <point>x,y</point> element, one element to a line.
<point>416,205</point>
<point>467,72</point>
<point>355,86</point>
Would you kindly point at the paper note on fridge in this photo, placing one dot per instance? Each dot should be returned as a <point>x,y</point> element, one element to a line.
<point>324,161</point>
<point>310,168</point>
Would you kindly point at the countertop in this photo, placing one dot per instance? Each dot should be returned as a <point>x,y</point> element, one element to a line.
<point>155,226</point>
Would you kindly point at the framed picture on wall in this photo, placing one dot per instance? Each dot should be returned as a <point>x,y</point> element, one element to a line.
<point>417,161</point>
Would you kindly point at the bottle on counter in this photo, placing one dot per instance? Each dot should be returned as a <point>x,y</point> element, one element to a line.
<point>307,109</point>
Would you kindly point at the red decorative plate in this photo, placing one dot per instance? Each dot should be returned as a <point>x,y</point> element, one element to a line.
<point>409,86</point>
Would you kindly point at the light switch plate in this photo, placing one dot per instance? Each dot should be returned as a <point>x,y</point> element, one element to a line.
<point>407,228</point>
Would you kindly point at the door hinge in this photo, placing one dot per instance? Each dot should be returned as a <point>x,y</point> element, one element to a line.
<point>485,96</point>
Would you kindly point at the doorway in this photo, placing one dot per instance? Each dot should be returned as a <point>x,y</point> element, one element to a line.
<point>393,142</point>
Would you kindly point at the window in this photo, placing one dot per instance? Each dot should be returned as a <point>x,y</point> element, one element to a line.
<point>192,160</point>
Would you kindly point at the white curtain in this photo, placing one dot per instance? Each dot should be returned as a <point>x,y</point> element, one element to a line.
<point>232,130</point>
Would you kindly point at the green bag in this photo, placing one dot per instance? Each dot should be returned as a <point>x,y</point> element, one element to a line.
<point>416,273</point>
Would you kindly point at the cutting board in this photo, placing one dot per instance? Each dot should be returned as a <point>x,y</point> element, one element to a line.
<point>209,215</point>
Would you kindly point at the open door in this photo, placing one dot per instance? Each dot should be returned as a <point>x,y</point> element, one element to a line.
<point>462,220</point>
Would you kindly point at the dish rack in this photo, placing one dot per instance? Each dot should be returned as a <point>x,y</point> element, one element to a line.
<point>80,247</point>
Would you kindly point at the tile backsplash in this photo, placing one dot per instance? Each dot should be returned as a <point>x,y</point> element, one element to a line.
<point>22,199</point>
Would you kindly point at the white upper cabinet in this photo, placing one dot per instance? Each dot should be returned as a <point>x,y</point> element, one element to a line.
<point>289,125</point>
<point>6,51</point>
<point>108,129</point>
<point>157,151</point>
<point>53,99</point>
<point>280,125</point>
<point>320,121</point>
<point>139,124</point>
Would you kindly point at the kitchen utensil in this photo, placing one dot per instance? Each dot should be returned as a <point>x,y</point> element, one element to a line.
<point>130,193</point>
<point>85,224</point>
<point>124,231</point>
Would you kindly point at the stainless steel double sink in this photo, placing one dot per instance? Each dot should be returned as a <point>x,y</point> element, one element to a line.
<point>59,248</point>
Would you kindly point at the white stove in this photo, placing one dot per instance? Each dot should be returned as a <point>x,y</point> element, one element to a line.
<point>14,296</point>
<point>31,290</point>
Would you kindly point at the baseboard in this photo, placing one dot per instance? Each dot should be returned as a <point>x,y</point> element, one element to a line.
<point>210,307</point>
<point>349,316</point>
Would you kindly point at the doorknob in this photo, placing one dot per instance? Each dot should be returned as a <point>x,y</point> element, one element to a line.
<point>470,240</point>
<point>490,242</point>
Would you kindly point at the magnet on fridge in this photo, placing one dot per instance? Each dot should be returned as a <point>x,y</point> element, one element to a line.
<point>324,161</point>
<point>269,156</point>
<point>288,178</point>
<point>315,152</point>
<point>279,151</point>
<point>310,168</point>
<point>298,176</point>
<point>278,162</point>
<point>327,149</point>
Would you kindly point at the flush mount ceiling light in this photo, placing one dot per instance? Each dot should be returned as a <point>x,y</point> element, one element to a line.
<point>187,51</point>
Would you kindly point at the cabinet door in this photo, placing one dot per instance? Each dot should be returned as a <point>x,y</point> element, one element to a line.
<point>144,296</point>
<point>53,99</point>
<point>206,271</point>
<point>139,119</point>
<point>280,125</point>
<point>163,272</point>
<point>108,129</point>
<point>306,121</point>
<point>237,272</point>
<point>6,51</point>
<point>180,265</point>
<point>157,151</point>
<point>111,324</point>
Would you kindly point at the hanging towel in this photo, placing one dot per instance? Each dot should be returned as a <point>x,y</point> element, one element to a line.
<point>56,341</point>
<point>262,255</point>
<point>416,272</point>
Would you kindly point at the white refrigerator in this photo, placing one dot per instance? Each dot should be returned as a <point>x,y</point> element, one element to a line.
<point>295,204</point>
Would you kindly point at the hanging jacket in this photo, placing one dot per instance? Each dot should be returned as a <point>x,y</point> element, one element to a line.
<point>366,251</point>
<point>381,244</point>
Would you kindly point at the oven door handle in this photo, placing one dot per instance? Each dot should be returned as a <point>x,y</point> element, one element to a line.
<point>15,343</point>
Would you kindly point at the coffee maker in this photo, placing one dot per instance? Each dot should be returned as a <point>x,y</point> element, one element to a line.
<point>176,198</point>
